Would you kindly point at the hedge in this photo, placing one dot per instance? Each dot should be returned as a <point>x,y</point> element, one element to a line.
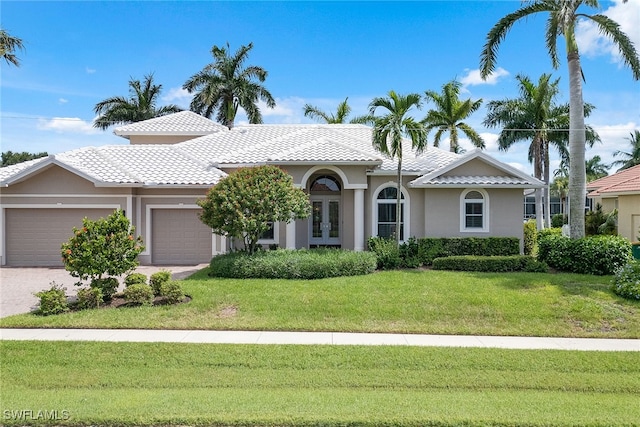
<point>490,263</point>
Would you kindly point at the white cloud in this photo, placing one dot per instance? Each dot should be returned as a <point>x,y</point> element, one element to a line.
<point>177,95</point>
<point>62,101</point>
<point>90,70</point>
<point>67,125</point>
<point>473,78</point>
<point>591,43</point>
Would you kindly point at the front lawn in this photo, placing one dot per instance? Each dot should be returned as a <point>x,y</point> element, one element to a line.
<point>83,383</point>
<point>411,301</point>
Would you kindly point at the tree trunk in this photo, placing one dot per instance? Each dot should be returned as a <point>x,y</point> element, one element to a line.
<point>547,194</point>
<point>398,202</point>
<point>577,137</point>
<point>537,166</point>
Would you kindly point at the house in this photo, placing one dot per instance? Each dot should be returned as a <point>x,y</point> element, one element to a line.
<point>620,191</point>
<point>172,161</point>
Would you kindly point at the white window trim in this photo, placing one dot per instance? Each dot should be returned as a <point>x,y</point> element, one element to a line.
<point>485,212</point>
<point>407,209</point>
<point>276,236</point>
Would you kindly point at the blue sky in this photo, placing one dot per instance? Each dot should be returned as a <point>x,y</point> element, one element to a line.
<point>79,53</point>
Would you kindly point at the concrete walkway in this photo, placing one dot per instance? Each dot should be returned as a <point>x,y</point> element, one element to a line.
<point>326,338</point>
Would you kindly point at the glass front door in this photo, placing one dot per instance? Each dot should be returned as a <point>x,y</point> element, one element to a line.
<point>325,220</point>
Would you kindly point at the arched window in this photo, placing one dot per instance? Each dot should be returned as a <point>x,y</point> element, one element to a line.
<point>386,212</point>
<point>474,211</point>
<point>325,183</point>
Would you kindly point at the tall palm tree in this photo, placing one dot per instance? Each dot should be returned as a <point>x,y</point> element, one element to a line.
<point>225,84</point>
<point>342,112</point>
<point>389,131</point>
<point>535,117</point>
<point>563,18</point>
<point>8,46</point>
<point>632,157</point>
<point>139,106</point>
<point>448,116</point>
<point>595,169</point>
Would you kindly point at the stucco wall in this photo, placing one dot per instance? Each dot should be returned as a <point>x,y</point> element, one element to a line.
<point>629,217</point>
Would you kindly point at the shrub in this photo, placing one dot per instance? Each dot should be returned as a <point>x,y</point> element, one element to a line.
<point>52,301</point>
<point>626,282</point>
<point>409,254</point>
<point>530,237</point>
<point>386,251</point>
<point>549,232</point>
<point>430,248</point>
<point>108,286</point>
<point>172,292</point>
<point>103,247</point>
<point>89,298</point>
<point>139,293</point>
<point>157,279</point>
<point>490,263</point>
<point>135,278</point>
<point>598,255</point>
<point>558,220</point>
<point>293,264</point>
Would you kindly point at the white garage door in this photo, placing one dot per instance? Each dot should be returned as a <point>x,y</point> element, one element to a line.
<point>34,236</point>
<point>179,237</point>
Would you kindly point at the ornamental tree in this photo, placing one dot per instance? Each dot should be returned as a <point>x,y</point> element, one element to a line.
<point>245,204</point>
<point>106,246</point>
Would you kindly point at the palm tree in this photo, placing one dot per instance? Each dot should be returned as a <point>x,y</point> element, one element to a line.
<point>631,158</point>
<point>225,84</point>
<point>563,17</point>
<point>8,45</point>
<point>342,112</point>
<point>448,116</point>
<point>534,116</point>
<point>595,169</point>
<point>141,105</point>
<point>389,131</point>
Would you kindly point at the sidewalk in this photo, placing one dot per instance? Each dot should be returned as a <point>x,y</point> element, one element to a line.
<point>324,338</point>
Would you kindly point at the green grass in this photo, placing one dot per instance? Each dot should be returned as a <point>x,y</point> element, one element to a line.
<point>434,302</point>
<point>186,384</point>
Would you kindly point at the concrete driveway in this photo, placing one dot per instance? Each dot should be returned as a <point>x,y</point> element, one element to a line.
<point>17,285</point>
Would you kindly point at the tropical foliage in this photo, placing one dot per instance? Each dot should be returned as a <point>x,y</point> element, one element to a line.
<point>139,106</point>
<point>8,46</point>
<point>225,85</point>
<point>389,131</point>
<point>10,158</point>
<point>632,157</point>
<point>342,112</point>
<point>448,116</point>
<point>246,204</point>
<point>562,21</point>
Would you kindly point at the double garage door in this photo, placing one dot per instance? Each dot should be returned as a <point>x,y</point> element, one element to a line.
<point>34,236</point>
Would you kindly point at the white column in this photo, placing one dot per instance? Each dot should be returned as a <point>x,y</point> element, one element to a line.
<point>358,219</point>
<point>291,235</point>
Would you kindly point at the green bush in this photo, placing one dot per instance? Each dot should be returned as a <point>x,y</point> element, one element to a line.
<point>108,286</point>
<point>139,293</point>
<point>386,251</point>
<point>158,279</point>
<point>52,301</point>
<point>530,237</point>
<point>410,254</point>
<point>293,264</point>
<point>430,248</point>
<point>626,282</point>
<point>549,232</point>
<point>89,298</point>
<point>135,278</point>
<point>558,220</point>
<point>598,255</point>
<point>172,292</point>
<point>490,263</point>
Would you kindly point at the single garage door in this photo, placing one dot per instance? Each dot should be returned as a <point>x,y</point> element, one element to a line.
<point>34,236</point>
<point>179,237</point>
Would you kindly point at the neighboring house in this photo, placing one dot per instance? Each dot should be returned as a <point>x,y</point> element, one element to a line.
<point>620,191</point>
<point>351,188</point>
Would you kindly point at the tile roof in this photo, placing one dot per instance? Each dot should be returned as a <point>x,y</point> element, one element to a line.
<point>182,123</point>
<point>505,181</point>
<point>625,181</point>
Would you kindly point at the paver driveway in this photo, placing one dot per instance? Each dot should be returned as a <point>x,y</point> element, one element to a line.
<point>17,285</point>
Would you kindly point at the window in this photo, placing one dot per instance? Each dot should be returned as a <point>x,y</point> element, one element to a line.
<point>386,213</point>
<point>474,211</point>
<point>271,235</point>
<point>325,183</point>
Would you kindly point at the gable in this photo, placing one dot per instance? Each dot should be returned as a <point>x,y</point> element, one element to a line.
<point>51,179</point>
<point>475,167</point>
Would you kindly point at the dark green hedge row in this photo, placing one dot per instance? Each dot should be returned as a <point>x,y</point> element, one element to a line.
<point>598,255</point>
<point>293,264</point>
<point>490,263</point>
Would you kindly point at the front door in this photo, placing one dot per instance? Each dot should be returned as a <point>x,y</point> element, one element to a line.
<point>325,221</point>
